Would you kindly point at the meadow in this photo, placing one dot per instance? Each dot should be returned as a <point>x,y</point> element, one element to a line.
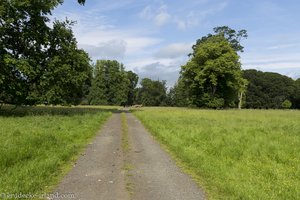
<point>232,154</point>
<point>38,145</point>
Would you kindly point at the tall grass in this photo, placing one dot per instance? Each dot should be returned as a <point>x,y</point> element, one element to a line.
<point>248,154</point>
<point>37,145</point>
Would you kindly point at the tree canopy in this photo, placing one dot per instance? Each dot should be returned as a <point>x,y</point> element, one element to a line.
<point>152,93</point>
<point>213,76</point>
<point>111,84</point>
<point>39,64</point>
<point>268,89</point>
<point>232,36</point>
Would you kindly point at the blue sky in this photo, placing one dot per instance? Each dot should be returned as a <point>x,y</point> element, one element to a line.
<point>153,38</point>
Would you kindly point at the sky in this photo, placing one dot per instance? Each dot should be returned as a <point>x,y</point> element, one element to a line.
<point>153,38</point>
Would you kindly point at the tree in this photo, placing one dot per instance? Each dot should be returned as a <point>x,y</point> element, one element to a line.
<point>213,75</point>
<point>267,89</point>
<point>110,84</point>
<point>232,36</point>
<point>97,91</point>
<point>296,96</point>
<point>178,95</point>
<point>152,93</point>
<point>26,47</point>
<point>68,70</point>
<point>133,80</point>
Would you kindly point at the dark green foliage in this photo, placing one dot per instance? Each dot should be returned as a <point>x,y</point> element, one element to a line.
<point>213,76</point>
<point>152,93</point>
<point>178,95</point>
<point>296,96</point>
<point>232,36</point>
<point>39,64</point>
<point>133,80</point>
<point>110,85</point>
<point>267,89</point>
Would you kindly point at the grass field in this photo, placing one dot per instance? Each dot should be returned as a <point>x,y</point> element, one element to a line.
<point>38,144</point>
<point>233,154</point>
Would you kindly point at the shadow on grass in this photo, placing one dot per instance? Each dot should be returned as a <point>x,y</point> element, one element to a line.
<point>11,111</point>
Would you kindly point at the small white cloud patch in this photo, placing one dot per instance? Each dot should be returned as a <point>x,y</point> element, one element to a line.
<point>174,50</point>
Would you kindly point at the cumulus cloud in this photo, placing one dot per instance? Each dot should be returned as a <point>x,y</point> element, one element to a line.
<point>174,50</point>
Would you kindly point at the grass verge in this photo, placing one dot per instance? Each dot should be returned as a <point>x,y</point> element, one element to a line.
<point>127,167</point>
<point>248,154</point>
<point>125,142</point>
<point>38,145</point>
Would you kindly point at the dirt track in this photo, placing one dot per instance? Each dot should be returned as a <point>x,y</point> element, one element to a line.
<point>146,172</point>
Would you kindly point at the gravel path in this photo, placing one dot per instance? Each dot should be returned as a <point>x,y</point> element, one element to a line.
<point>145,172</point>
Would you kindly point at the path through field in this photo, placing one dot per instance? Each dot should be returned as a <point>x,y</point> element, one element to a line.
<point>107,171</point>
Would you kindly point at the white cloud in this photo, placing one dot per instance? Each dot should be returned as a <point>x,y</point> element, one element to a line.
<point>283,46</point>
<point>174,50</point>
<point>162,17</point>
<point>271,60</point>
<point>137,44</point>
<point>113,49</point>
<point>146,13</point>
<point>159,71</point>
<point>159,15</point>
<point>193,18</point>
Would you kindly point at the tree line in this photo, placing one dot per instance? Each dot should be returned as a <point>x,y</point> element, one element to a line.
<point>41,64</point>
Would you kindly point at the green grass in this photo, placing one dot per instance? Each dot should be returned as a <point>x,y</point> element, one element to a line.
<point>233,154</point>
<point>39,144</point>
<point>125,141</point>
<point>127,167</point>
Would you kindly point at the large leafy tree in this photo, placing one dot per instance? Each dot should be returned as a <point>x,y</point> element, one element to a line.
<point>213,75</point>
<point>110,84</point>
<point>35,58</point>
<point>152,93</point>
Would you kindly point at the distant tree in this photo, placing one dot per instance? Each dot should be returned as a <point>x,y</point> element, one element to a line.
<point>152,93</point>
<point>296,96</point>
<point>178,95</point>
<point>133,80</point>
<point>30,50</point>
<point>213,75</point>
<point>267,89</point>
<point>110,84</point>
<point>97,92</point>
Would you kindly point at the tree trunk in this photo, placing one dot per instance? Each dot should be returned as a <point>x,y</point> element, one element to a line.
<point>240,100</point>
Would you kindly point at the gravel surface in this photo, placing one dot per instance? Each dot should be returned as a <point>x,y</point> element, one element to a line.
<point>99,173</point>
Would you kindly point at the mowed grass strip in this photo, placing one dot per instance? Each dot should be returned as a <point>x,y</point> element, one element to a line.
<point>38,145</point>
<point>234,154</point>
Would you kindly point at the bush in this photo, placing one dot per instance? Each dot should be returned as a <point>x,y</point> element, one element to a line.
<point>286,104</point>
